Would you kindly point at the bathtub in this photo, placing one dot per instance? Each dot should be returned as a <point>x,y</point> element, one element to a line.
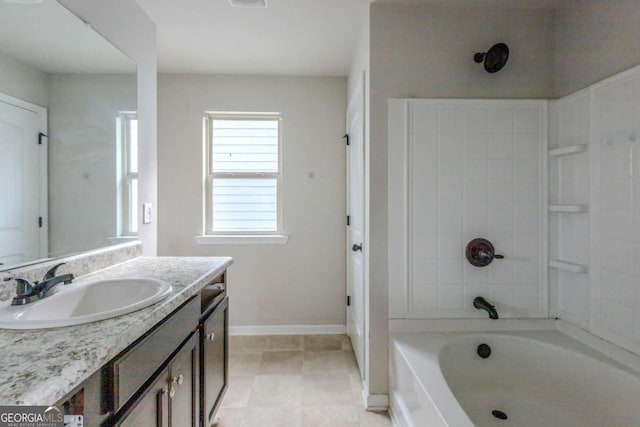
<point>533,378</point>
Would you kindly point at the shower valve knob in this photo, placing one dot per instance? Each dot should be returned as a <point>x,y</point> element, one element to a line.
<point>480,253</point>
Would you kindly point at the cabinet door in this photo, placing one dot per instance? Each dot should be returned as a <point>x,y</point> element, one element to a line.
<point>184,398</point>
<point>152,409</point>
<point>214,359</point>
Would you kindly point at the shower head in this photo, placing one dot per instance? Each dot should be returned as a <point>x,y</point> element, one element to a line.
<point>494,59</point>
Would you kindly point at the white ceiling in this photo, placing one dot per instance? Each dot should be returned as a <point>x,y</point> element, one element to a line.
<point>289,37</point>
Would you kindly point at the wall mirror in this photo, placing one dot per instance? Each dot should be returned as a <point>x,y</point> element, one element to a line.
<point>68,136</point>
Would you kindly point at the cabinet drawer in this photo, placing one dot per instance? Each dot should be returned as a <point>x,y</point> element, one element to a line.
<point>132,368</point>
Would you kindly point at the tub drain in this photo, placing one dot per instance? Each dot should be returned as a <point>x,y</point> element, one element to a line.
<point>499,414</point>
<point>484,351</point>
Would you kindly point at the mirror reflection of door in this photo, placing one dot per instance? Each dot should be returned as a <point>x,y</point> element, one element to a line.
<point>23,185</point>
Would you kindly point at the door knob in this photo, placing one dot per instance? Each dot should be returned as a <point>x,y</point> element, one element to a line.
<point>211,336</point>
<point>356,247</point>
<point>178,380</point>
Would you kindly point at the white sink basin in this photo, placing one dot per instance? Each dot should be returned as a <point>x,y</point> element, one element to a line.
<point>84,302</point>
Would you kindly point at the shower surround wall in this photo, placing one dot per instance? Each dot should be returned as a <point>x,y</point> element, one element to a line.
<point>458,170</point>
<point>604,176</point>
<point>569,201</point>
<point>615,189</point>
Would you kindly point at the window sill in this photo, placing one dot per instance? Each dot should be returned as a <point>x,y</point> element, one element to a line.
<point>267,239</point>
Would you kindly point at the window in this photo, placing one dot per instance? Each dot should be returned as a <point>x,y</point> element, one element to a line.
<point>127,174</point>
<point>243,173</point>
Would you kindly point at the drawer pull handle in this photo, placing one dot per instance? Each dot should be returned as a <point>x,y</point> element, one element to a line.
<point>211,336</point>
<point>177,380</point>
<point>172,392</point>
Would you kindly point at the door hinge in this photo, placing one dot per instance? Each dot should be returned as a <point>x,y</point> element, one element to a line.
<point>348,301</point>
<point>348,220</point>
<point>40,136</point>
<point>346,137</point>
<point>40,222</point>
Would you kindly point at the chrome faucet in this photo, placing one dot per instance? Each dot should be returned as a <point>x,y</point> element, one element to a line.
<point>27,292</point>
<point>481,304</point>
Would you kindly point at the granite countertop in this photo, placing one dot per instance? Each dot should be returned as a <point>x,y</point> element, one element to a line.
<point>41,366</point>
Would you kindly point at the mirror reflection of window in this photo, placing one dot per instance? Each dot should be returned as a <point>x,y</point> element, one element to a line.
<point>128,173</point>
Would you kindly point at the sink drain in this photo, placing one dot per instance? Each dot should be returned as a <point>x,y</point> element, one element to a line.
<point>499,414</point>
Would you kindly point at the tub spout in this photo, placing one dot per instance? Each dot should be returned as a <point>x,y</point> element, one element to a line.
<point>481,304</point>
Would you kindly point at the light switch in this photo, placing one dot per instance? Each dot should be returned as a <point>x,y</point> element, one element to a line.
<point>146,213</point>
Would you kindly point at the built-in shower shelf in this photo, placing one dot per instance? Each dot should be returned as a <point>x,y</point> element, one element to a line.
<point>570,149</point>
<point>568,266</point>
<point>569,208</point>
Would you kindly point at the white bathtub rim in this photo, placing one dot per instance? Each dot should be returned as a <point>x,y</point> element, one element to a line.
<point>399,413</point>
<point>553,341</point>
<point>609,350</point>
<point>423,358</point>
<point>469,325</point>
<point>438,392</point>
<point>575,341</point>
<point>622,358</point>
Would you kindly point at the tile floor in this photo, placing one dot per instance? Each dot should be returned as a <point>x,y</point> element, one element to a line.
<point>294,381</point>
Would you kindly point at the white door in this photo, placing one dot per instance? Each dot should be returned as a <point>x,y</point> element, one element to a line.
<point>355,229</point>
<point>21,181</point>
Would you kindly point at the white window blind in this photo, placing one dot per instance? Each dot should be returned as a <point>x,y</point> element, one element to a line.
<point>244,173</point>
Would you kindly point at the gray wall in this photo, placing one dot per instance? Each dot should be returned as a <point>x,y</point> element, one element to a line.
<point>23,81</point>
<point>298,283</point>
<point>427,51</point>
<point>594,40</point>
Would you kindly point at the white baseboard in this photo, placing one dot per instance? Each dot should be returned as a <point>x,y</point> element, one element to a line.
<point>287,330</point>
<point>375,402</point>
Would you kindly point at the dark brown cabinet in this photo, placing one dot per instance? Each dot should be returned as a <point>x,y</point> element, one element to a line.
<point>184,393</point>
<point>133,368</point>
<point>152,408</point>
<point>214,344</point>
<point>172,400</point>
<point>175,375</point>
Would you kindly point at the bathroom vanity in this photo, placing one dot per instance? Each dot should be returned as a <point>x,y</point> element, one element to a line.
<point>165,365</point>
